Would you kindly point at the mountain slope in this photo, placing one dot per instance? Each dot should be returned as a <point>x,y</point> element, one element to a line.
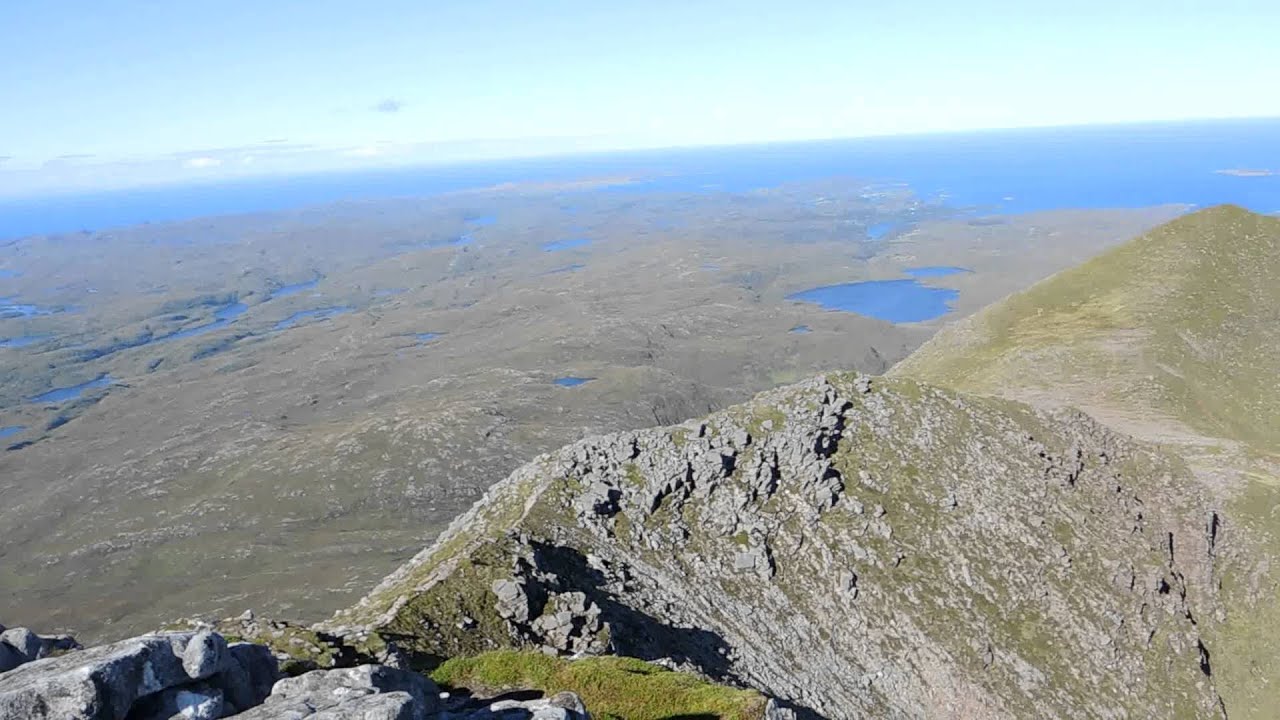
<point>1173,336</point>
<point>858,548</point>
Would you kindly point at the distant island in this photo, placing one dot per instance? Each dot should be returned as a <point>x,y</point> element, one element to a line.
<point>1246,172</point>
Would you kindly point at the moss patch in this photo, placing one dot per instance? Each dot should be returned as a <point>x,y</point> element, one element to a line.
<point>612,687</point>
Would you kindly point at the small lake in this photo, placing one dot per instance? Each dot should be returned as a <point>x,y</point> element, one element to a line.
<point>11,430</point>
<point>566,269</point>
<point>10,309</point>
<point>72,392</point>
<point>287,290</point>
<point>932,271</point>
<point>317,314</point>
<point>482,220</point>
<point>800,330</point>
<point>880,230</point>
<point>22,340</point>
<point>426,337</point>
<point>568,244</point>
<point>222,318</point>
<point>896,301</point>
<point>572,381</point>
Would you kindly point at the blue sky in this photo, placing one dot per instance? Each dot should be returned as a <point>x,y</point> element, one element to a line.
<point>130,91</point>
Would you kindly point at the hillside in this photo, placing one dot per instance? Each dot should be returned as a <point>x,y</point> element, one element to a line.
<point>857,547</point>
<point>1171,337</point>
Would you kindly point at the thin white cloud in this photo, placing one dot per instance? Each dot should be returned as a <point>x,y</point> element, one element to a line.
<point>202,162</point>
<point>364,151</point>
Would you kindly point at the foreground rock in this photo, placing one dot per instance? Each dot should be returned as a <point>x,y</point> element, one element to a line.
<point>368,692</point>
<point>154,676</point>
<point>197,675</point>
<point>19,646</point>
<point>561,706</point>
<point>854,547</point>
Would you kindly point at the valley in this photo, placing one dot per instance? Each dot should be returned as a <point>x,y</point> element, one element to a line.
<point>274,410</point>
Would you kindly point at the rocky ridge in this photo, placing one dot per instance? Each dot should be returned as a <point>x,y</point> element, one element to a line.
<point>198,675</point>
<point>853,547</point>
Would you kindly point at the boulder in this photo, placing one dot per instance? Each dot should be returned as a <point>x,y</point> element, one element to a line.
<point>248,679</point>
<point>10,658</point>
<point>103,683</point>
<point>368,692</point>
<point>205,654</point>
<point>24,641</point>
<point>562,706</point>
<point>198,701</point>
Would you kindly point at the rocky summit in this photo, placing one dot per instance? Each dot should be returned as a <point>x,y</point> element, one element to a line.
<point>856,548</point>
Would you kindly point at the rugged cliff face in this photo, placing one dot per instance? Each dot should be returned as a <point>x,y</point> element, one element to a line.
<point>858,547</point>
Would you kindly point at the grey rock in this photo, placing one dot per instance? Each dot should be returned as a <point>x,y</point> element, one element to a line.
<point>773,710</point>
<point>249,677</point>
<point>368,692</point>
<point>24,641</point>
<point>198,701</point>
<point>56,644</point>
<point>354,705</point>
<point>10,658</point>
<point>562,706</point>
<point>205,654</point>
<point>100,683</point>
<point>513,602</point>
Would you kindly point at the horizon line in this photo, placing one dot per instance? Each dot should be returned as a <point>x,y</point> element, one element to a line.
<point>530,155</point>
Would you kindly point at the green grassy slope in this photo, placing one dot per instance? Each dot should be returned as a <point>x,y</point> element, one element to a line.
<point>613,688</point>
<point>1173,337</point>
<point>1177,330</point>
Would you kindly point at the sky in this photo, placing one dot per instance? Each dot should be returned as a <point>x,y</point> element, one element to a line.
<point>94,94</point>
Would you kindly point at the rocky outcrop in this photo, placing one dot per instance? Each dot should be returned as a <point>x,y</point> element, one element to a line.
<point>368,692</point>
<point>300,648</point>
<point>19,646</point>
<point>855,547</point>
<point>198,675</point>
<point>192,674</point>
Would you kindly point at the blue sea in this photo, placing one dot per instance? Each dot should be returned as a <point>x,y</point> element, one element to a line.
<point>1008,171</point>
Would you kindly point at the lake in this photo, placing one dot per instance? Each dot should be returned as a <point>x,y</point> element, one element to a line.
<point>71,393</point>
<point>999,171</point>
<point>222,318</point>
<point>287,290</point>
<point>896,301</point>
<point>572,381</point>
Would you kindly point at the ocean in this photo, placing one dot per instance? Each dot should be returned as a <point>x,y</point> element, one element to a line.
<point>996,171</point>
